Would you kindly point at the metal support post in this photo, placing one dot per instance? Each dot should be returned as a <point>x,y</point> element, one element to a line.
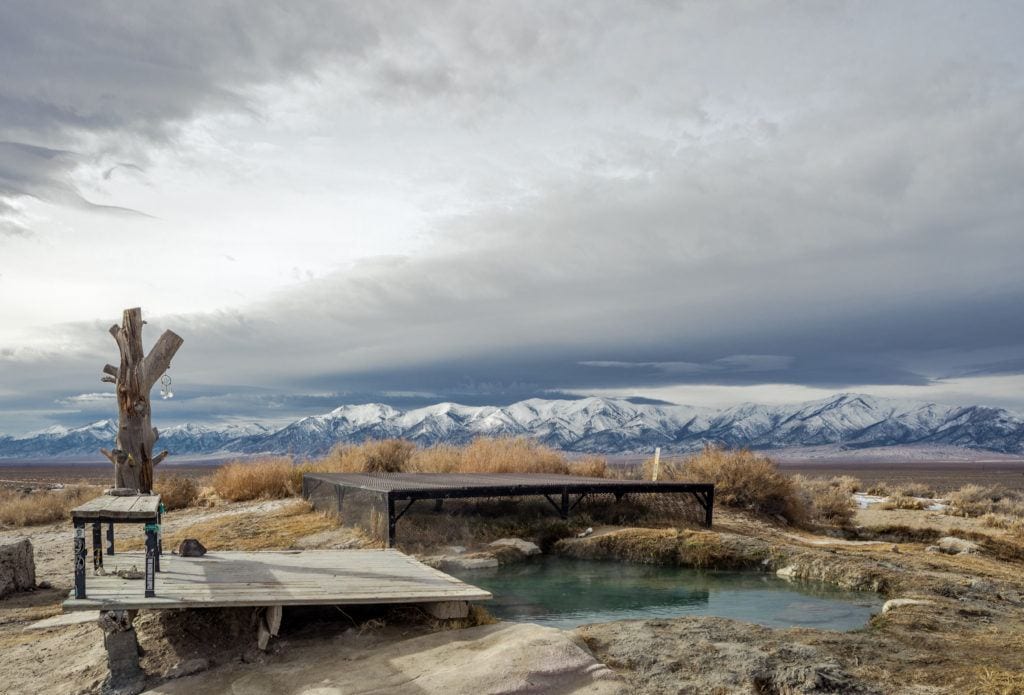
<point>79,559</point>
<point>97,546</point>
<point>151,559</point>
<point>391,522</point>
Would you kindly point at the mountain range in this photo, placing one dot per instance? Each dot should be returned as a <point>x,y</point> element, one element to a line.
<point>592,425</point>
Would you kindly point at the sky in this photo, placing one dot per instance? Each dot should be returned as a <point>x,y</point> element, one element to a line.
<point>697,202</point>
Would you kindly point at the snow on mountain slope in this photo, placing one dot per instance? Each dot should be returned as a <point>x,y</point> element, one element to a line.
<point>596,425</point>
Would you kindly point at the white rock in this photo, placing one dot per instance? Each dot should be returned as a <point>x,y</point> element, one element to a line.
<point>525,547</point>
<point>900,602</point>
<point>788,573</point>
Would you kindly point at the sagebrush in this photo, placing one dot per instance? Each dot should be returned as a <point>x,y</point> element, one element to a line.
<point>743,480</point>
<point>176,491</point>
<point>42,506</point>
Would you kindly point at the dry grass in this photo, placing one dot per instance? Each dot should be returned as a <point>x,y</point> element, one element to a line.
<point>43,507</point>
<point>270,478</point>
<point>482,455</point>
<point>1014,524</point>
<point>176,491</point>
<point>699,549</point>
<point>828,501</point>
<point>743,480</point>
<point>994,681</point>
<point>902,501</point>
<point>978,500</point>
<point>278,530</point>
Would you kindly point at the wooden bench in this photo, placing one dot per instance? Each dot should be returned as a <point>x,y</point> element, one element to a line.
<point>110,510</point>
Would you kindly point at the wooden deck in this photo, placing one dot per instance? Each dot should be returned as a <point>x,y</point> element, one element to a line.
<point>281,578</point>
<point>104,508</point>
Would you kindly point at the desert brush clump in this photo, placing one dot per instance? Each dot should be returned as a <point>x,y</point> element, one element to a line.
<point>901,501</point>
<point>482,455</point>
<point>269,478</point>
<point>743,480</point>
<point>176,491</point>
<point>828,501</point>
<point>979,500</point>
<point>279,477</point>
<point>1014,524</point>
<point>18,508</point>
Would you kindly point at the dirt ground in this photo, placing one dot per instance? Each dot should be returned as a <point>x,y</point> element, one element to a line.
<point>967,637</point>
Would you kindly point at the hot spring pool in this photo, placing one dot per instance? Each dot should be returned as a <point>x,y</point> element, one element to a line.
<point>565,593</point>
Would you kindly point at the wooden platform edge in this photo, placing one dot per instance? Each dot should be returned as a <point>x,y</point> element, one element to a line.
<point>162,603</point>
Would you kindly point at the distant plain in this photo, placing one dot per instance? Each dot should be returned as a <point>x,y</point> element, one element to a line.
<point>942,476</point>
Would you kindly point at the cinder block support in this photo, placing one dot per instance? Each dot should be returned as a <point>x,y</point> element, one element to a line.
<point>447,610</point>
<point>17,567</point>
<point>126,677</point>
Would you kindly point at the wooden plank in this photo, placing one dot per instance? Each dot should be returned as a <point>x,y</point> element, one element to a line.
<point>270,578</point>
<point>127,508</point>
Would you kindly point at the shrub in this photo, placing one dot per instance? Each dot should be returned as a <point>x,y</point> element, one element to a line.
<point>828,501</point>
<point>1014,524</point>
<point>902,501</point>
<point>482,455</point>
<point>176,491</point>
<point>846,483</point>
<point>510,455</point>
<point>880,489</point>
<point>978,500</point>
<point>42,507</point>
<point>915,490</point>
<point>745,480</point>
<point>270,478</point>
<point>590,467</point>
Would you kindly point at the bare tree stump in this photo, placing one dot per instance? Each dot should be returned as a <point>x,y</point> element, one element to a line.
<point>133,456</point>
<point>126,676</point>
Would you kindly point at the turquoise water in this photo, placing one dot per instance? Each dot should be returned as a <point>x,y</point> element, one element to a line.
<point>565,593</point>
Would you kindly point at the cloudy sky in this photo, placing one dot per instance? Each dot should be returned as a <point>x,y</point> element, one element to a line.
<point>699,202</point>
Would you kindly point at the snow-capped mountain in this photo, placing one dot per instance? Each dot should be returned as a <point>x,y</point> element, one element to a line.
<point>596,425</point>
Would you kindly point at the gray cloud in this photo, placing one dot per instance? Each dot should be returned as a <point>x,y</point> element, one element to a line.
<point>728,194</point>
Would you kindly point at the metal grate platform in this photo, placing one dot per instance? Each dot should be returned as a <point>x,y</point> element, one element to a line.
<point>353,495</point>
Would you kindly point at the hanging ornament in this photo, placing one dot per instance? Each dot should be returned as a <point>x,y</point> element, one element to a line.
<point>165,387</point>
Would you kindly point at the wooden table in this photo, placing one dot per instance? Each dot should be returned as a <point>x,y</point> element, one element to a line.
<point>110,510</point>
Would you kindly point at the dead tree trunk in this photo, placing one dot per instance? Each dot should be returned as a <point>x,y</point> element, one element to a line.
<point>133,456</point>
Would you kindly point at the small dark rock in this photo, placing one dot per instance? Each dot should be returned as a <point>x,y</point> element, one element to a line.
<point>190,547</point>
<point>44,585</point>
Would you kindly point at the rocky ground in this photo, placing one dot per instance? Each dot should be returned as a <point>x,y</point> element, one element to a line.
<point>957,626</point>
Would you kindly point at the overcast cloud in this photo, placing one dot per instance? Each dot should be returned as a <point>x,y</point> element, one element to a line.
<point>700,202</point>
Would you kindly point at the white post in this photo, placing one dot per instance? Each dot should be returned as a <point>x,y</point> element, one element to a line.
<point>657,463</point>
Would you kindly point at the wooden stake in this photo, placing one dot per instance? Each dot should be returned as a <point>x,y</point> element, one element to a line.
<point>133,456</point>
<point>657,463</point>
